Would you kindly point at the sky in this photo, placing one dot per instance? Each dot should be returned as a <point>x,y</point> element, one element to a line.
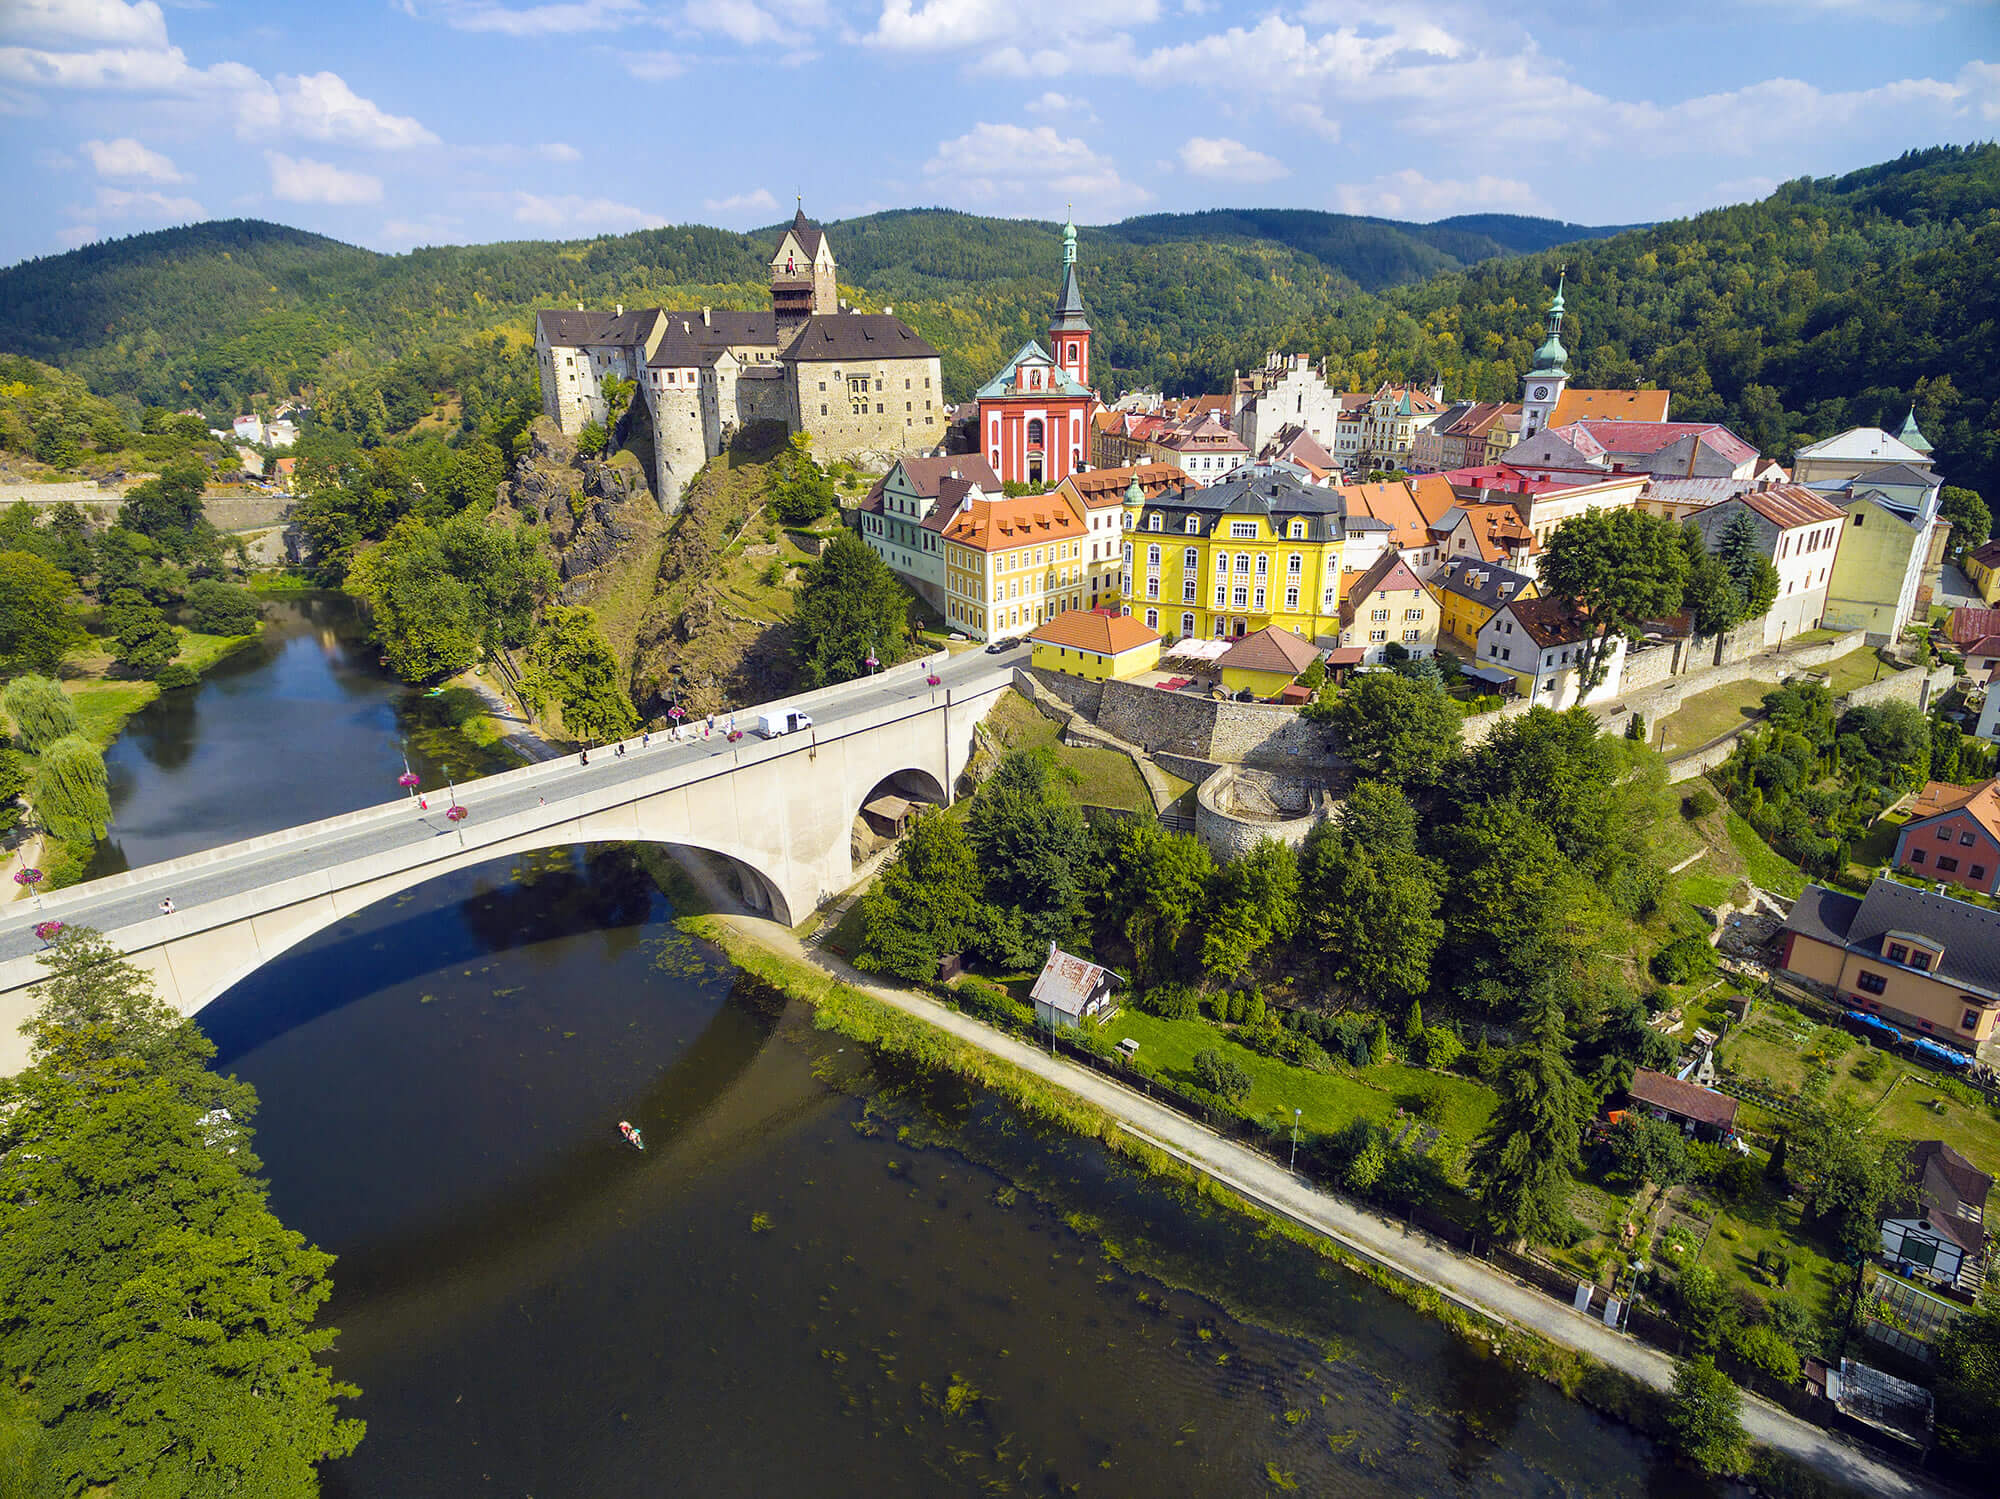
<point>396,123</point>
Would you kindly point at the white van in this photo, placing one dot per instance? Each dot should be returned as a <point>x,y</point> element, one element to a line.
<point>784,721</point>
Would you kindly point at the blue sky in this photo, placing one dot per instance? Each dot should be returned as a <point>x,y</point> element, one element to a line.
<point>392,123</point>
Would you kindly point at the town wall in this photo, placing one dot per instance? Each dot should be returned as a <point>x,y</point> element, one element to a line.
<point>1239,806</point>
<point>226,512</point>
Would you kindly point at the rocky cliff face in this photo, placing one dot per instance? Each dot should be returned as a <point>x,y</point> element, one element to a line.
<point>602,521</point>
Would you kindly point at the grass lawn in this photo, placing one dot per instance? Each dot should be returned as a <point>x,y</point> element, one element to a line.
<point>1105,778</point>
<point>1856,669</point>
<point>1766,1222</point>
<point>1331,1100</point>
<point>199,652</point>
<point>1813,637</point>
<point>1709,715</point>
<point>103,707</point>
<point>1875,850</point>
<point>1764,864</point>
<point>1916,1109</point>
<point>1018,723</point>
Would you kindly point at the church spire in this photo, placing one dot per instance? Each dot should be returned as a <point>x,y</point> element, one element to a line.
<point>1552,358</point>
<point>1910,436</point>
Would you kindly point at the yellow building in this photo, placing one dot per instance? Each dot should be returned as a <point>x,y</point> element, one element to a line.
<point>1388,605</point>
<point>1098,496</point>
<point>1260,549</point>
<point>1011,564</point>
<point>1266,663</point>
<point>1093,645</point>
<point>1469,590</point>
<point>1982,566</point>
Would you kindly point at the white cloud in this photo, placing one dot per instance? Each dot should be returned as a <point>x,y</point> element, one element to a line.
<point>1409,194</point>
<point>583,214</point>
<point>1055,106</point>
<point>124,203</point>
<point>321,107</point>
<point>751,22</point>
<point>655,66</point>
<point>431,229</point>
<point>510,155</point>
<point>78,234</point>
<point>541,20</point>
<point>1031,169</point>
<point>1221,157</point>
<point>102,21</point>
<point>756,206</point>
<point>125,157</point>
<point>941,25</point>
<point>301,180</point>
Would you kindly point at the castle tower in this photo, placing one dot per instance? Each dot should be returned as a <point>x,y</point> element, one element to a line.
<point>802,277</point>
<point>1069,329</point>
<point>1543,387</point>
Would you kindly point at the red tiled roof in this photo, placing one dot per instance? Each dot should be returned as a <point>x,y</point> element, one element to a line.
<point>1980,803</point>
<point>1094,630</point>
<point>1968,625</point>
<point>1619,435</point>
<point>1684,1100</point>
<point>1547,622</point>
<point>1789,505</point>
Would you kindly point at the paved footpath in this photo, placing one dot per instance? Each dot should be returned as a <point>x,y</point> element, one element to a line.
<point>1471,1283</point>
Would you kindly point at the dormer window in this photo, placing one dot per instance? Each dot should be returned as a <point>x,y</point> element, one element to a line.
<point>1154,521</point>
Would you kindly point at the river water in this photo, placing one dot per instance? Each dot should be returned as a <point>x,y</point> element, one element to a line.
<point>824,1276</point>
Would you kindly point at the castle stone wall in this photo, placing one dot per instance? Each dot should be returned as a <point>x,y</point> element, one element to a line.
<point>911,419</point>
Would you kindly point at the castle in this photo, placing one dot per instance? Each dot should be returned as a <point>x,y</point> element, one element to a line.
<point>864,386</point>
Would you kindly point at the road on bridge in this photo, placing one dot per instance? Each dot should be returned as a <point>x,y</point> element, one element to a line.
<point>258,863</point>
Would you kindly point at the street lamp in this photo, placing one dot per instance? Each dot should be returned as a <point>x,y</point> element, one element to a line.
<point>1295,1138</point>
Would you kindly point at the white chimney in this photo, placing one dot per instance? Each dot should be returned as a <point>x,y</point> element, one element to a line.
<point>621,310</point>
<point>706,322</point>
<point>889,311</point>
<point>579,307</point>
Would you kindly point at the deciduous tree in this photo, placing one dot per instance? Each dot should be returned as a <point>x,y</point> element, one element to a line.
<point>848,604</point>
<point>927,903</point>
<point>1619,568</point>
<point>41,711</point>
<point>570,665</point>
<point>36,623</point>
<point>71,794</point>
<point>1395,727</point>
<point>1705,1417</point>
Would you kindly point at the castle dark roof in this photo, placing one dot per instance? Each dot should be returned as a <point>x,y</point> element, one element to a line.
<point>688,339</point>
<point>1480,581</point>
<point>806,232</point>
<point>856,335</point>
<point>574,330</point>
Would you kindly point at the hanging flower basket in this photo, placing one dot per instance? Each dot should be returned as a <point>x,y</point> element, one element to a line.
<point>48,930</point>
<point>407,778</point>
<point>871,663</point>
<point>676,714</point>
<point>934,679</point>
<point>28,877</point>
<point>456,814</point>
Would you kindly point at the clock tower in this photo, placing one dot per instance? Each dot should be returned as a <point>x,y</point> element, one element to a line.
<point>1544,384</point>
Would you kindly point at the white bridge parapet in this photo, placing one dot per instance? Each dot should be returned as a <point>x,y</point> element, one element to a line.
<point>782,809</point>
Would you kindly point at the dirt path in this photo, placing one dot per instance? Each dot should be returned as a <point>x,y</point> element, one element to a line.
<point>1470,1283</point>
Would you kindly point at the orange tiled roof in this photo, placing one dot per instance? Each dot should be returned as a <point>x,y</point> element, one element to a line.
<point>1393,505</point>
<point>1625,405</point>
<point>1100,488</point>
<point>1981,803</point>
<point>1094,630</point>
<point>1433,495</point>
<point>994,524</point>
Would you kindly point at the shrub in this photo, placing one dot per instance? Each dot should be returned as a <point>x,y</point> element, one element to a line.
<point>1441,1047</point>
<point>1685,958</point>
<point>1220,1076</point>
<point>1286,1046</point>
<point>1764,1348</point>
<point>1378,1043</point>
<point>1170,1002</point>
<point>1238,1009</point>
<point>1253,1007</point>
<point>1698,803</point>
<point>176,675</point>
<point>1366,1169</point>
<point>1428,1104</point>
<point>217,608</point>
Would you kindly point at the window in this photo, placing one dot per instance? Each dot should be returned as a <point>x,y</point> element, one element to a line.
<point>1035,433</point>
<point>1243,528</point>
<point>1916,856</point>
<point>1966,839</point>
<point>1376,637</point>
<point>1152,619</point>
<point>1920,960</point>
<point>1152,589</point>
<point>1187,591</point>
<point>1187,623</point>
<point>1413,614</point>
<point>1294,563</point>
<point>1221,563</point>
<point>1258,601</point>
<point>1412,635</point>
<point>1898,953</point>
<point>1292,599</point>
<point>1298,530</point>
<point>1192,524</point>
<point>1944,835</point>
<point>1239,597</point>
<point>1871,983</point>
<point>1243,562</point>
<point>1380,616</point>
<point>1153,522</point>
<point>1978,871</point>
<point>1263,564</point>
<point>1946,865</point>
<point>1220,591</point>
<point>1152,556</point>
<point>1970,1022</point>
<point>1128,554</point>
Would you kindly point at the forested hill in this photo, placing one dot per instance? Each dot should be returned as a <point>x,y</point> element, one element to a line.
<point>223,310</point>
<point>1834,302</point>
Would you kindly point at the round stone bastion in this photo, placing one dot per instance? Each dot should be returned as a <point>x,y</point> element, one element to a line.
<point>1238,805</point>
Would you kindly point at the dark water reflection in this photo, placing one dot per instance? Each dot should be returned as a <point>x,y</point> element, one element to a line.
<point>300,725</point>
<point>825,1276</point>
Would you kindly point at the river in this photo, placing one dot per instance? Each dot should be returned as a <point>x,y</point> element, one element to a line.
<point>824,1275</point>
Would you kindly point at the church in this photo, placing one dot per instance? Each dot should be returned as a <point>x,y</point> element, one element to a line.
<point>1035,415</point>
<point>864,386</point>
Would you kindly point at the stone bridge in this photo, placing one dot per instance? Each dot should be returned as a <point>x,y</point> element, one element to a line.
<point>782,810</point>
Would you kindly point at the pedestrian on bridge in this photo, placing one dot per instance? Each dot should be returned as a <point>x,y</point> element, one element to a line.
<point>167,906</point>
<point>584,757</point>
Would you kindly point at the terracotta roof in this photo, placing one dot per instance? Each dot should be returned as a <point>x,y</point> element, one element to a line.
<point>1626,405</point>
<point>1104,488</point>
<point>1683,1100</point>
<point>1205,431</point>
<point>1990,646</point>
<point>1270,649</point>
<point>1547,622</point>
<point>1434,496</point>
<point>997,522</point>
<point>856,335</point>
<point>1981,803</point>
<point>1789,505</point>
<point>1949,1191</point>
<point>1626,436</point>
<point>1497,528</point>
<point>1968,625</point>
<point>1393,503</point>
<point>1095,630</point>
<point>1387,573</point>
<point>1502,479</point>
<point>1068,983</point>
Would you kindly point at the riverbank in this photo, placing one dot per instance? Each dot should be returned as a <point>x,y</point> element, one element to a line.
<point>1588,1361</point>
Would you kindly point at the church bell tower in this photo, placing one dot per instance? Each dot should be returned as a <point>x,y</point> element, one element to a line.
<point>1069,329</point>
<point>1543,387</point>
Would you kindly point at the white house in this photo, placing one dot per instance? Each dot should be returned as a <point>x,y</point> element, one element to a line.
<point>1071,990</point>
<point>248,428</point>
<point>1540,644</point>
<point>904,515</point>
<point>1286,391</point>
<point>1799,532</point>
<point>280,434</point>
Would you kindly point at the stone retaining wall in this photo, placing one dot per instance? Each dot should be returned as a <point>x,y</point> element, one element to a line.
<point>1199,728</point>
<point>1239,806</point>
<point>100,506</point>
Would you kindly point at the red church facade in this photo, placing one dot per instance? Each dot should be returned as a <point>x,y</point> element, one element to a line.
<point>1034,416</point>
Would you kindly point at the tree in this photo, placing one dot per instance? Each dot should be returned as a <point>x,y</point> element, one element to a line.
<point>1413,1023</point>
<point>1710,596</point>
<point>160,1312</point>
<point>168,508</point>
<point>570,664</point>
<point>591,441</point>
<point>70,792</point>
<point>1971,520</point>
<point>1378,1042</point>
<point>1705,1417</point>
<point>848,604</point>
<point>800,491</point>
<point>1257,904</point>
<point>1520,909</point>
<point>1161,883</point>
<point>1395,727</point>
<point>42,712</point>
<point>926,904</point>
<point>1644,1149</point>
<point>1524,1159</point>
<point>1035,849</point>
<point>218,608</point>
<point>36,623</point>
<point>418,609</point>
<point>1845,1170</point>
<point>1371,899</point>
<point>1618,569</point>
<point>145,642</point>
<point>1219,1075</point>
<point>1968,1354</point>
